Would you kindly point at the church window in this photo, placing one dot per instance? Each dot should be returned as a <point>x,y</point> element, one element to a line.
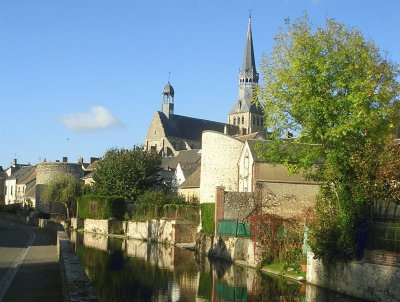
<point>155,132</point>
<point>242,119</point>
<point>234,120</point>
<point>238,120</point>
<point>254,120</point>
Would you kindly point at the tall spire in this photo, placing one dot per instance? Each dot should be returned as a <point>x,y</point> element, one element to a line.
<point>248,72</point>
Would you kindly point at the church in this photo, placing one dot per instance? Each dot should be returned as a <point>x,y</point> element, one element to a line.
<point>170,133</point>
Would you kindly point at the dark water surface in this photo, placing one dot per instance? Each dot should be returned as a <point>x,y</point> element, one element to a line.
<point>134,270</point>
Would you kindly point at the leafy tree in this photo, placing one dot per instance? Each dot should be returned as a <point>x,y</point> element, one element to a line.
<point>127,173</point>
<point>336,92</point>
<point>64,188</point>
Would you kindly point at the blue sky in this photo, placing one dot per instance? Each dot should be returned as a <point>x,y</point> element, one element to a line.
<point>78,77</point>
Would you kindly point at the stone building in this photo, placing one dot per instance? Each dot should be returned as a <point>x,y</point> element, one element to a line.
<point>169,133</point>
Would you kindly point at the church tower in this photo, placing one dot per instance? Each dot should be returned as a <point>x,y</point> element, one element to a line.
<point>245,113</point>
<point>168,100</point>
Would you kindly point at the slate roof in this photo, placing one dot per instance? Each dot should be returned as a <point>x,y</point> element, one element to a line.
<point>20,172</point>
<point>189,128</point>
<point>91,167</point>
<point>193,181</point>
<point>184,156</point>
<point>28,177</point>
<point>189,168</point>
<point>252,143</point>
<point>243,106</point>
<point>250,136</point>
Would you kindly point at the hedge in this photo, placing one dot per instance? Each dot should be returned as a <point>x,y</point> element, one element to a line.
<point>101,207</point>
<point>207,217</point>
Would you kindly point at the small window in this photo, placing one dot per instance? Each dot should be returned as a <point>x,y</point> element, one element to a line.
<point>242,119</point>
<point>11,192</point>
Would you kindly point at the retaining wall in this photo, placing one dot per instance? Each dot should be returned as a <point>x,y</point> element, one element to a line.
<point>137,230</point>
<point>361,279</point>
<point>76,286</point>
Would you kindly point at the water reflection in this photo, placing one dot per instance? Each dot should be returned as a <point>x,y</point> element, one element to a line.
<point>134,270</point>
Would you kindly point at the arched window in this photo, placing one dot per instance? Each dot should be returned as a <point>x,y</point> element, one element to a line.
<point>234,120</point>
<point>242,119</point>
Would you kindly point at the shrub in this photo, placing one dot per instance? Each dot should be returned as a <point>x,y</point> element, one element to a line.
<point>101,207</point>
<point>207,218</point>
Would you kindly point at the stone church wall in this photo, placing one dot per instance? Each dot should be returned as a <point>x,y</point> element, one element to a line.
<point>219,164</point>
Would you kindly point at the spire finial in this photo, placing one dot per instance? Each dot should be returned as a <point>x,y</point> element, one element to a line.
<point>169,75</point>
<point>250,14</point>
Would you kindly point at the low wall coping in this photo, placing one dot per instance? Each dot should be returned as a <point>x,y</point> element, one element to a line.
<point>76,285</point>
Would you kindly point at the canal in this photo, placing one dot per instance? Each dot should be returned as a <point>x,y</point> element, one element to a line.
<point>134,270</point>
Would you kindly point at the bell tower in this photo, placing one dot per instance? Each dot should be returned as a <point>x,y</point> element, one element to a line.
<point>245,113</point>
<point>168,100</point>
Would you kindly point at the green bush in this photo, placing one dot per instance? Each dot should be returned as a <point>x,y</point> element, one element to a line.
<point>207,218</point>
<point>101,207</point>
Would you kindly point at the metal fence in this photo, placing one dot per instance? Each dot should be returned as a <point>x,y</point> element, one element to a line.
<point>233,228</point>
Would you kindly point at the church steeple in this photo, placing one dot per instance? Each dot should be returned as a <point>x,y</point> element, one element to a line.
<point>248,73</point>
<point>245,113</point>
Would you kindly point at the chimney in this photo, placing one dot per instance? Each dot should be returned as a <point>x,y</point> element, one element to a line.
<point>93,159</point>
<point>65,159</point>
<point>80,160</point>
<point>14,162</point>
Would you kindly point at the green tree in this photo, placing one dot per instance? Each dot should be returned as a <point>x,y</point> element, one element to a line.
<point>64,188</point>
<point>338,94</point>
<point>127,173</point>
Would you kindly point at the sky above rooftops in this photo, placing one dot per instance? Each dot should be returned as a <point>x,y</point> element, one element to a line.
<point>80,77</point>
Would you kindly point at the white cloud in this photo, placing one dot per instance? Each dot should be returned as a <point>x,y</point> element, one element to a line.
<point>97,118</point>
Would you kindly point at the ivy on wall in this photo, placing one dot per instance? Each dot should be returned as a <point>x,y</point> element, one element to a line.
<point>207,217</point>
<point>101,207</point>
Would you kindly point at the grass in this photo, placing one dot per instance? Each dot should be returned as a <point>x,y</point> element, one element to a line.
<point>278,267</point>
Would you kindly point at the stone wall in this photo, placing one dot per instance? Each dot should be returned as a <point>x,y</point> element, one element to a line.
<point>137,230</point>
<point>239,204</point>
<point>219,164</point>
<point>361,279</point>
<point>98,226</point>
<point>76,285</point>
<point>287,199</point>
<point>47,171</point>
<point>185,233</point>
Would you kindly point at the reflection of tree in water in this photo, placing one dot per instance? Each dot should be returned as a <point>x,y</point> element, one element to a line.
<point>277,289</point>
<point>116,277</point>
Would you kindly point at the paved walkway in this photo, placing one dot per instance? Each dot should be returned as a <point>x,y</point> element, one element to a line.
<point>29,268</point>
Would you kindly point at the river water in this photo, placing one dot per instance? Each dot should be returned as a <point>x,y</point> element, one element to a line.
<point>134,270</point>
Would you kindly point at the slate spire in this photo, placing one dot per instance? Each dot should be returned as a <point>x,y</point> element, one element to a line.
<point>248,73</point>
